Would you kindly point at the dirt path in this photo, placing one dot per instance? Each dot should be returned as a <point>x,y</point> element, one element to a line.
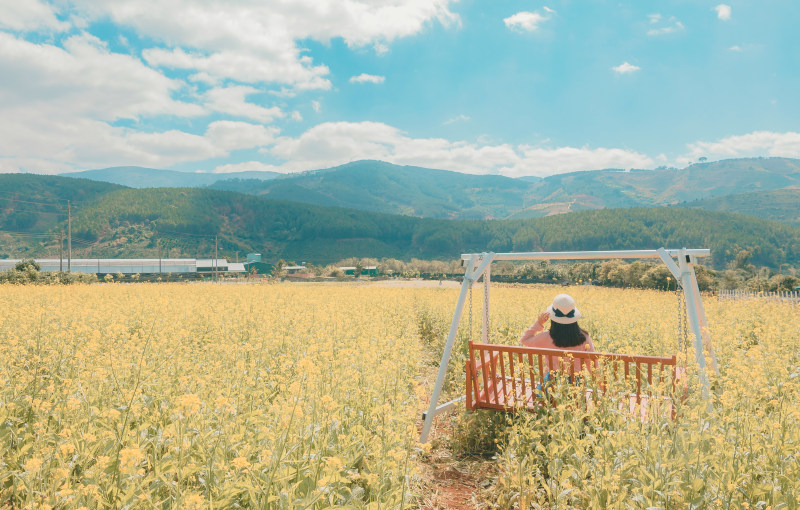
<point>454,484</point>
<point>451,482</point>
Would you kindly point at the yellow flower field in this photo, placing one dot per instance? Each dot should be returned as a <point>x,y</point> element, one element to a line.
<point>309,395</point>
<point>743,453</point>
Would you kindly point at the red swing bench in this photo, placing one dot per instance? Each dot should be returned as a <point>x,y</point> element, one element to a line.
<point>511,378</point>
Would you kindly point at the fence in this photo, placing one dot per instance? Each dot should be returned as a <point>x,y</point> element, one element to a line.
<point>733,295</point>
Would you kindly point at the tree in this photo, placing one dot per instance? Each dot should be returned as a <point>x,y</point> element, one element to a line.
<point>27,265</point>
<point>278,270</point>
<point>657,277</point>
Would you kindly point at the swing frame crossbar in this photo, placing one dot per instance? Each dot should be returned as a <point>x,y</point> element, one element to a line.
<point>478,265</point>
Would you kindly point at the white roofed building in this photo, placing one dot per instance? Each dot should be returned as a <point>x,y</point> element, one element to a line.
<point>134,266</point>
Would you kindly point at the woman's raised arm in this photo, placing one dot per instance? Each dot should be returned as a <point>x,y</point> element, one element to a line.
<point>535,328</point>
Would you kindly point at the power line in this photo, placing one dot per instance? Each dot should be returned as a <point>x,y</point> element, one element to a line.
<point>183,233</point>
<point>29,234</point>
<point>11,199</point>
<point>84,242</point>
<point>15,193</point>
<point>40,212</point>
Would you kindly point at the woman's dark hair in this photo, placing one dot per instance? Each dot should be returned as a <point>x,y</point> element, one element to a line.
<point>567,335</point>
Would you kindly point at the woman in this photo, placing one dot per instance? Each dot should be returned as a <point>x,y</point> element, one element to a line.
<point>564,331</point>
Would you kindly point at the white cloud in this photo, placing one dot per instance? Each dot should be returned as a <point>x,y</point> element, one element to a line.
<point>672,26</point>
<point>755,144</point>
<point>316,106</point>
<point>165,147</point>
<point>538,161</point>
<point>367,78</point>
<point>249,166</point>
<point>233,101</point>
<point>30,16</point>
<point>83,78</point>
<point>335,143</point>
<point>654,18</point>
<point>723,12</point>
<point>625,68</point>
<point>380,49</point>
<point>735,48</point>
<point>92,144</point>
<point>457,118</point>
<point>296,116</point>
<point>253,41</point>
<point>58,103</point>
<point>526,21</point>
<point>229,135</point>
<point>58,106</point>
<point>290,69</point>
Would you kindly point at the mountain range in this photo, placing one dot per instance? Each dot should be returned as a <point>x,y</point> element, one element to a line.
<point>376,209</point>
<point>413,191</point>
<point>113,221</point>
<point>138,177</point>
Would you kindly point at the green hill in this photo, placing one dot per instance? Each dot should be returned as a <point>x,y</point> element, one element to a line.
<point>36,203</point>
<point>139,177</point>
<point>383,187</point>
<point>617,188</point>
<point>782,205</point>
<point>183,222</point>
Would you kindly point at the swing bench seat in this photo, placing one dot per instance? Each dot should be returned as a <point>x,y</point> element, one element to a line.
<point>512,378</point>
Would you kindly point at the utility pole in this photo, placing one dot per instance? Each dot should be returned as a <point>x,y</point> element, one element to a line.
<point>69,237</point>
<point>158,243</point>
<point>61,252</point>
<point>216,255</point>
<point>237,256</point>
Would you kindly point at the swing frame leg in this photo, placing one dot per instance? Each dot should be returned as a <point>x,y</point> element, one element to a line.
<point>476,265</point>
<point>684,273</point>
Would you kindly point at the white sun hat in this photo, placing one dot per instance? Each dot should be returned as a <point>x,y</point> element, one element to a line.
<point>563,310</point>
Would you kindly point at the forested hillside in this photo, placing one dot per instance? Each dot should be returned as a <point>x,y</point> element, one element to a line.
<point>139,177</point>
<point>782,205</point>
<point>183,222</point>
<point>610,188</point>
<point>383,187</point>
<point>37,203</point>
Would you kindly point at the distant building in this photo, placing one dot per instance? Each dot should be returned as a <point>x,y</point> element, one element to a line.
<point>135,266</point>
<point>211,266</point>
<point>366,270</point>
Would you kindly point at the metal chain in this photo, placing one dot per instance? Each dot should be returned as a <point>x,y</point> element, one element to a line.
<point>486,304</point>
<point>682,319</point>
<point>470,311</point>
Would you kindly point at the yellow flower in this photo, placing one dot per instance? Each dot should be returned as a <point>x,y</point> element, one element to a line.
<point>334,463</point>
<point>240,463</point>
<point>193,502</point>
<point>130,458</point>
<point>188,404</point>
<point>33,465</point>
<point>66,448</point>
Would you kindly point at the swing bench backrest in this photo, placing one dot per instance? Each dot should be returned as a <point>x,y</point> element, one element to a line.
<point>506,377</point>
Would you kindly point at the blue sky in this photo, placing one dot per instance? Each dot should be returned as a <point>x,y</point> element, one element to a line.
<point>480,86</point>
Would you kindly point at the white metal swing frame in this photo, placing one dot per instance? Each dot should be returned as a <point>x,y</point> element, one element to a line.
<point>478,265</point>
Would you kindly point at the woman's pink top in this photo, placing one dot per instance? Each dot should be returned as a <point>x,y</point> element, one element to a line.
<point>537,336</point>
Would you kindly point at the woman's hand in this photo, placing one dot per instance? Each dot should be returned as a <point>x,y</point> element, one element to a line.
<point>543,318</point>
